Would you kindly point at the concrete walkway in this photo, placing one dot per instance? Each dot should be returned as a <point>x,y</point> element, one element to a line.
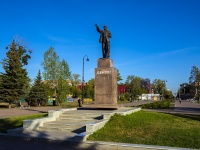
<point>5,113</point>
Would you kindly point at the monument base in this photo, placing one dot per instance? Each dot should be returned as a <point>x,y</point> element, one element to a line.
<point>105,85</point>
<point>103,106</point>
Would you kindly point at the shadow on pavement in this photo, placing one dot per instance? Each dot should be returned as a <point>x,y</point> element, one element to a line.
<point>188,116</point>
<point>187,110</point>
<point>32,143</point>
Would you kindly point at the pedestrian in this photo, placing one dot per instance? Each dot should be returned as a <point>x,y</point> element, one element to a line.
<point>79,102</point>
<point>180,100</point>
<point>130,100</point>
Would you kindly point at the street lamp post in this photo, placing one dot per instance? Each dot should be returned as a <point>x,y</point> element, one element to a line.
<point>87,59</point>
<point>164,81</point>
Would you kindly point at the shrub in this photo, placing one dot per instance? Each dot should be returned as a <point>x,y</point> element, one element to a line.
<point>165,104</point>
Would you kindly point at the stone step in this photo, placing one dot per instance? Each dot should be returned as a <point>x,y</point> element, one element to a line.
<point>71,122</point>
<point>63,129</point>
<point>82,115</point>
<point>75,119</point>
<point>64,124</point>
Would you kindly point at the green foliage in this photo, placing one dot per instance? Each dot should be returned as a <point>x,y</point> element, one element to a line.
<point>151,128</point>
<point>56,74</point>
<point>50,65</point>
<point>133,84</point>
<point>119,78</point>
<point>159,86</point>
<point>14,81</point>
<point>127,96</point>
<point>122,97</point>
<point>164,104</point>
<point>69,105</point>
<point>194,74</point>
<point>38,93</point>
<point>75,91</point>
<point>15,122</point>
<point>62,91</point>
<point>89,89</point>
<point>75,79</point>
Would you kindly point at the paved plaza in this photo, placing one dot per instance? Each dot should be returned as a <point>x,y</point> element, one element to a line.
<point>5,113</point>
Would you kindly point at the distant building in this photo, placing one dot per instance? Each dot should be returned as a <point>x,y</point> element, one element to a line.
<point>146,97</point>
<point>121,89</point>
<point>80,86</point>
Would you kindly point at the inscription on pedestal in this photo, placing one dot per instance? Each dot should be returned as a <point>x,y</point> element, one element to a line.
<point>103,72</point>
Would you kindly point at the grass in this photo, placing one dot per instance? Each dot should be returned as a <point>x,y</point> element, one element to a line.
<point>152,128</point>
<point>15,122</point>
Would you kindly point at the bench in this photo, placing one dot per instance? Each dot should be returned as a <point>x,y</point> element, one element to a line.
<point>6,105</point>
<point>24,105</point>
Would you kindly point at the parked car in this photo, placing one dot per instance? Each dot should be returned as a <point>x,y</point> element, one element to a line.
<point>70,99</point>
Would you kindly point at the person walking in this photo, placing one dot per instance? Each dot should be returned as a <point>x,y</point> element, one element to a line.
<point>180,100</point>
<point>79,102</point>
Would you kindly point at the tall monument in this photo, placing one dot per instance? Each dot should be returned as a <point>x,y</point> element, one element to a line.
<point>105,75</point>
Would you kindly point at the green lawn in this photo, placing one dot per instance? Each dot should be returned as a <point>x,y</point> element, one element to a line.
<point>153,129</point>
<point>15,122</point>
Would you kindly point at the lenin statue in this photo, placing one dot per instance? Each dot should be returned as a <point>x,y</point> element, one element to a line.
<point>105,36</point>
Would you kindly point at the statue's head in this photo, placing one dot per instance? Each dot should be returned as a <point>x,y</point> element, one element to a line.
<point>105,27</point>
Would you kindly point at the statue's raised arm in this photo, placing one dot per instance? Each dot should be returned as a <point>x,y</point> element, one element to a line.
<point>98,29</point>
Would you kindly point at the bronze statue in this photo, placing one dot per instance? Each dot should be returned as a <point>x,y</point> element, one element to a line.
<point>105,36</point>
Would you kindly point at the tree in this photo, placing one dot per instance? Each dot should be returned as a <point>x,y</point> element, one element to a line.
<point>56,74</point>
<point>14,80</point>
<point>51,67</point>
<point>194,75</point>
<point>63,70</point>
<point>194,80</point>
<point>1,88</point>
<point>38,94</point>
<point>75,79</point>
<point>119,78</point>
<point>62,91</point>
<point>133,84</point>
<point>168,94</point>
<point>136,88</point>
<point>129,83</point>
<point>159,86</point>
<point>89,90</point>
<point>62,85</point>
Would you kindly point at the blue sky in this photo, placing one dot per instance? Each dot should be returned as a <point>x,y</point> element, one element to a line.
<point>150,38</point>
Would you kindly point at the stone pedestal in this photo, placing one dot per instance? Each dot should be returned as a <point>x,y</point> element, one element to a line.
<point>105,85</point>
